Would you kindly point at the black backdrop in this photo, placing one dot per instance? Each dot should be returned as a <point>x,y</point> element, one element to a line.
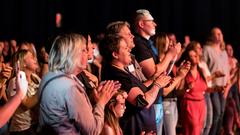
<point>35,19</point>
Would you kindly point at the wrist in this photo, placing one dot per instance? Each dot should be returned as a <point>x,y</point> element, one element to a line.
<point>20,95</point>
<point>157,84</point>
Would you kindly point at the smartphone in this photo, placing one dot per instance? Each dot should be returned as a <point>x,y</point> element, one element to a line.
<point>17,66</point>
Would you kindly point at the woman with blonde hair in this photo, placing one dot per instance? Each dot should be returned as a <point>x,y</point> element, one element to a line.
<point>64,105</point>
<point>114,109</point>
<point>24,118</point>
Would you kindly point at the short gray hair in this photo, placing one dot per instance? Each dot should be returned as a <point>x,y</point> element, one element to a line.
<point>64,54</point>
<point>139,14</point>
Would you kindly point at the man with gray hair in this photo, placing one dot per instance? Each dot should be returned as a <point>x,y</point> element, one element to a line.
<point>147,55</point>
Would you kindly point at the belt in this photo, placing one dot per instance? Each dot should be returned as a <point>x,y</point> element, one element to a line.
<point>170,99</point>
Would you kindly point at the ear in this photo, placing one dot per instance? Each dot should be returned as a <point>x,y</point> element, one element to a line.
<point>141,23</point>
<point>115,55</point>
<point>111,107</point>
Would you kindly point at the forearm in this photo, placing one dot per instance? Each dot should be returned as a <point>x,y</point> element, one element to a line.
<point>173,84</point>
<point>9,108</point>
<point>148,82</point>
<point>30,102</point>
<point>164,64</point>
<point>151,95</point>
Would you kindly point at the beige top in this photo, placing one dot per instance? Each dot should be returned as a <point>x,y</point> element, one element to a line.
<point>22,119</point>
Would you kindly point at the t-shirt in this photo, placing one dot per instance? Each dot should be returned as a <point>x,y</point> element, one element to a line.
<point>142,49</point>
<point>135,119</point>
<point>217,62</point>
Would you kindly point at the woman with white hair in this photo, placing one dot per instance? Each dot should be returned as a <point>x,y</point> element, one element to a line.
<point>64,105</point>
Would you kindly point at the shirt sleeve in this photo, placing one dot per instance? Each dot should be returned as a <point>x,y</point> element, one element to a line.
<point>141,51</point>
<point>86,119</point>
<point>205,56</point>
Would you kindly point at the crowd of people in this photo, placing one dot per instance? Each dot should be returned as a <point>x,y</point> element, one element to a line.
<point>131,81</point>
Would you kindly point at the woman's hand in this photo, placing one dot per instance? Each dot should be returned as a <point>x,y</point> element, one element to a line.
<point>105,91</point>
<point>21,84</point>
<point>91,77</point>
<point>183,69</point>
<point>6,71</point>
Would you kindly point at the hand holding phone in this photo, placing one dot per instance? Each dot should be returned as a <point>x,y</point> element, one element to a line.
<point>21,81</point>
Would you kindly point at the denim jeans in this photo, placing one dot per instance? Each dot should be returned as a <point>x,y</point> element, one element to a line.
<point>209,114</point>
<point>170,116</point>
<point>159,117</point>
<point>218,103</point>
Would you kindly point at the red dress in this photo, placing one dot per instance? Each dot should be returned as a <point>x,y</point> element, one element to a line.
<point>193,105</point>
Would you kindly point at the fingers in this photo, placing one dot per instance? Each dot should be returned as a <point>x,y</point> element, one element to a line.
<point>6,71</point>
<point>163,80</point>
<point>107,91</point>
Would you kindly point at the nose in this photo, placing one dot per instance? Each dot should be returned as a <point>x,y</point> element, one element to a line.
<point>131,35</point>
<point>154,24</point>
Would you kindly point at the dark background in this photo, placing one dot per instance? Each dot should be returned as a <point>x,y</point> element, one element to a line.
<point>34,20</point>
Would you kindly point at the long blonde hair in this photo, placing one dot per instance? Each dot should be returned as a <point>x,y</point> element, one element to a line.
<point>161,44</point>
<point>110,116</point>
<point>211,38</point>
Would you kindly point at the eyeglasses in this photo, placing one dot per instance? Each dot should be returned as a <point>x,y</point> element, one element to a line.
<point>148,20</point>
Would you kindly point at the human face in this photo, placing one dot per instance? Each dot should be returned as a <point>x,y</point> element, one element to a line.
<point>1,46</point>
<point>120,107</point>
<point>84,55</point>
<point>90,48</point>
<point>30,62</point>
<point>217,35</point>
<point>229,50</point>
<point>167,44</point>
<point>198,49</point>
<point>149,26</point>
<point>128,37</point>
<point>194,58</point>
<point>172,39</point>
<point>123,55</point>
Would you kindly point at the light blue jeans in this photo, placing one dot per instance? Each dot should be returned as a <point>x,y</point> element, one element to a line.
<point>218,103</point>
<point>170,116</point>
<point>159,117</point>
<point>209,114</point>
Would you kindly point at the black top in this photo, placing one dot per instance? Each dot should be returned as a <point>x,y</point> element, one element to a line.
<point>134,119</point>
<point>142,49</point>
<point>173,93</point>
<point>88,85</point>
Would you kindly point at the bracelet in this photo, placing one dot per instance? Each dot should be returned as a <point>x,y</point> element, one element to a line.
<point>158,85</point>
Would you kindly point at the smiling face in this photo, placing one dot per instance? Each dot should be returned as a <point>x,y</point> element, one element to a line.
<point>193,57</point>
<point>127,35</point>
<point>120,107</point>
<point>90,47</point>
<point>123,55</point>
<point>30,62</point>
<point>198,49</point>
